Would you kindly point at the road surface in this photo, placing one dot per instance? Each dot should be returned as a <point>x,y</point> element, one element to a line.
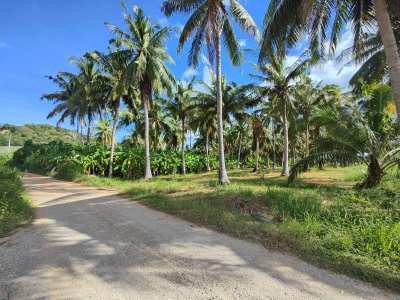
<point>87,243</point>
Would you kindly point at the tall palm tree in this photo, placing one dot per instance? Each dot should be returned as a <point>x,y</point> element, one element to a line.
<point>210,21</point>
<point>68,100</point>
<point>205,123</point>
<point>114,66</point>
<point>257,126</point>
<point>180,107</point>
<point>103,132</point>
<point>277,79</point>
<point>307,98</point>
<point>90,82</point>
<point>145,44</point>
<point>163,125</point>
<point>287,20</point>
<point>241,127</point>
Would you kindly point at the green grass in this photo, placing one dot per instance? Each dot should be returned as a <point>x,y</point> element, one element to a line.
<point>15,209</point>
<point>320,218</point>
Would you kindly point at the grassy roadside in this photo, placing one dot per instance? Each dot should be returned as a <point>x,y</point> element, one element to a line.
<point>319,218</point>
<point>15,209</point>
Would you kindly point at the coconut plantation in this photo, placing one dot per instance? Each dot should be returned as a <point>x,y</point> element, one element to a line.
<point>202,149</point>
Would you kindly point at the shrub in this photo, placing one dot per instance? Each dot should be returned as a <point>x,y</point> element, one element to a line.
<point>68,170</point>
<point>94,159</point>
<point>14,207</point>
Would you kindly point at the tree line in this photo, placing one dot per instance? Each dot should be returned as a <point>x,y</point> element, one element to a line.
<point>281,116</point>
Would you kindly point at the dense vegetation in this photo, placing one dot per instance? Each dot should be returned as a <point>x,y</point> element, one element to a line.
<point>281,118</point>
<point>72,160</point>
<point>40,134</point>
<point>14,206</point>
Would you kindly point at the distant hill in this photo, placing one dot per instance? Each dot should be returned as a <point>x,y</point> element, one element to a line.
<point>38,133</point>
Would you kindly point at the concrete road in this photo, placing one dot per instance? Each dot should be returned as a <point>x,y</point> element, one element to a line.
<point>87,243</point>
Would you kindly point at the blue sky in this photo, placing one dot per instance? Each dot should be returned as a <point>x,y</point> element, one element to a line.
<point>38,37</point>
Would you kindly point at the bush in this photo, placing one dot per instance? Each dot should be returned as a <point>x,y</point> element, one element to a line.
<point>14,207</point>
<point>94,159</point>
<point>68,170</point>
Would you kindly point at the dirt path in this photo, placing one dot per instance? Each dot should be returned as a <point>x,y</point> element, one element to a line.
<point>91,244</point>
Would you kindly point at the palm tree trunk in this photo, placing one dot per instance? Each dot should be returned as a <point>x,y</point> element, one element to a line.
<point>9,141</point>
<point>147,174</point>
<point>223,175</point>
<point>374,174</point>
<point>307,139</point>
<point>207,150</point>
<point>183,147</point>
<point>273,147</point>
<point>113,132</point>
<point>88,129</point>
<point>285,169</point>
<point>81,127</point>
<point>390,46</point>
<point>257,154</point>
<point>240,149</point>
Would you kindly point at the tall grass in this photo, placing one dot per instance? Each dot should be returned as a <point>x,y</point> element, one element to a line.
<point>15,209</point>
<point>320,218</point>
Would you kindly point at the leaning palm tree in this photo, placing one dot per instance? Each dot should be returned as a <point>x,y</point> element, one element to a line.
<point>277,79</point>
<point>180,107</point>
<point>209,22</point>
<point>68,100</point>
<point>361,134</point>
<point>287,20</point>
<point>145,44</point>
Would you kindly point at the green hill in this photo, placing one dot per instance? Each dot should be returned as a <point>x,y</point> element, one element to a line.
<point>38,133</point>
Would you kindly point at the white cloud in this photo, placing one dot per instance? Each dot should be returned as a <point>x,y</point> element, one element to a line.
<point>330,71</point>
<point>4,45</point>
<point>163,21</point>
<point>205,60</point>
<point>208,74</point>
<point>242,43</point>
<point>290,60</point>
<point>346,41</point>
<point>189,73</point>
<point>179,27</point>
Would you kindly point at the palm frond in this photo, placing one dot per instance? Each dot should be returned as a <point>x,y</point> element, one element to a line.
<point>340,157</point>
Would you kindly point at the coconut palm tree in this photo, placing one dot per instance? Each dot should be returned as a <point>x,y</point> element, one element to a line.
<point>277,79</point>
<point>68,100</point>
<point>147,70</point>
<point>287,20</point>
<point>163,125</point>
<point>103,132</point>
<point>180,106</point>
<point>210,21</point>
<point>114,66</point>
<point>257,126</point>
<point>307,99</point>
<point>362,133</point>
<point>205,123</point>
<point>91,89</point>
